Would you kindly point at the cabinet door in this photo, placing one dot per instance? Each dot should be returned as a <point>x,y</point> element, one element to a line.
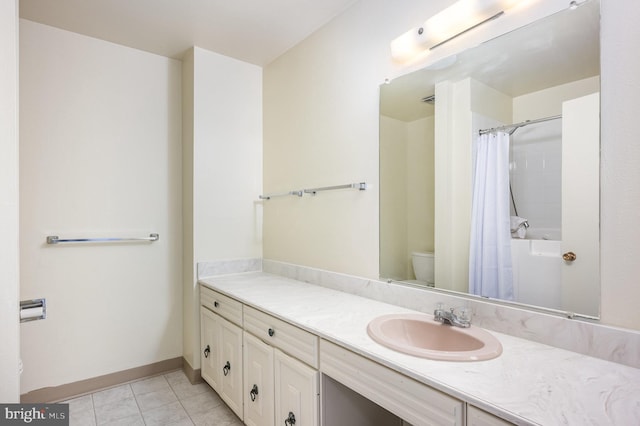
<point>209,348</point>
<point>296,392</point>
<point>258,382</point>
<point>230,365</point>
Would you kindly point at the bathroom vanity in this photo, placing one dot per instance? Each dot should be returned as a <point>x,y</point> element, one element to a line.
<point>273,348</point>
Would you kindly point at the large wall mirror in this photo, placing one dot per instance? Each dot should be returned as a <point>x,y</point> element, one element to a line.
<point>520,222</point>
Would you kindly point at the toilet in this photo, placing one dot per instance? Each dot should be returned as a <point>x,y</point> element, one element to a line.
<point>423,268</point>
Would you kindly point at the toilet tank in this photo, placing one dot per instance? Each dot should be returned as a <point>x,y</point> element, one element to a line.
<point>423,266</point>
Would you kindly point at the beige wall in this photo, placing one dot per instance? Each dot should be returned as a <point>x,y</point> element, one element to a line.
<point>100,134</point>
<point>222,150</point>
<point>321,124</point>
<point>9,285</point>
<point>321,128</point>
<point>406,193</point>
<point>457,104</point>
<point>420,184</point>
<point>393,198</point>
<point>190,297</point>
<point>548,102</point>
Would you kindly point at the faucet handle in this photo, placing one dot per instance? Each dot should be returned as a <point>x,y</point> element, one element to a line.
<point>439,311</point>
<point>463,314</point>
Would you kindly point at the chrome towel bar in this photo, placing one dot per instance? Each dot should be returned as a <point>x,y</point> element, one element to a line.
<point>54,239</point>
<point>360,186</point>
<point>283,194</point>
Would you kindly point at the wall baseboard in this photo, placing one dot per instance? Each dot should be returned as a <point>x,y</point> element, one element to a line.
<point>193,375</point>
<point>82,387</point>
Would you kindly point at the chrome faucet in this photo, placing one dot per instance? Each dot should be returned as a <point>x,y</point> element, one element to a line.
<point>459,320</point>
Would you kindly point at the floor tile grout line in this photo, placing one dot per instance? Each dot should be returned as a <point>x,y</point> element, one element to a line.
<point>138,405</point>
<point>180,401</point>
<point>93,405</point>
<point>135,397</point>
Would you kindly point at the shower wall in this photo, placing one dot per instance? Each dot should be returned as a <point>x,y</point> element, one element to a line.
<point>536,174</point>
<point>536,154</point>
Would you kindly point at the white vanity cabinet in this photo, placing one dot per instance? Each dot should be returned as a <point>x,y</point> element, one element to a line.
<point>268,372</point>
<point>221,347</point>
<point>416,403</point>
<point>296,392</point>
<point>478,417</point>
<point>281,383</point>
<point>258,382</point>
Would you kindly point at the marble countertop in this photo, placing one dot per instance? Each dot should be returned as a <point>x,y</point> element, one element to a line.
<point>530,383</point>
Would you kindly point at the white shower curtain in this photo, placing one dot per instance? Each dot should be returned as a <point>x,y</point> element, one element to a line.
<point>490,270</point>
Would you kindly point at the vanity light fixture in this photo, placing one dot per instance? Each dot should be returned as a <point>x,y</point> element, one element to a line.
<point>452,22</point>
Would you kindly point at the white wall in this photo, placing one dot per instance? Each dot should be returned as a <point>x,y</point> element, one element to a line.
<point>100,155</point>
<point>321,124</point>
<point>9,285</point>
<point>620,156</point>
<point>580,202</point>
<point>223,171</point>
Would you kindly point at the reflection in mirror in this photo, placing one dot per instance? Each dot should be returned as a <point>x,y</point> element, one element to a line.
<point>537,89</point>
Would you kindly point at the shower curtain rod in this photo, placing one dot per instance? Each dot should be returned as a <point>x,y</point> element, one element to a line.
<point>518,125</point>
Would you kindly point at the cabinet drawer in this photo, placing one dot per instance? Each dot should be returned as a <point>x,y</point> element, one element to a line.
<point>477,417</point>
<point>288,338</point>
<point>409,399</point>
<point>222,305</point>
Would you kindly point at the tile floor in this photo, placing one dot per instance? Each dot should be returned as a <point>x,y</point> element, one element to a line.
<point>164,400</point>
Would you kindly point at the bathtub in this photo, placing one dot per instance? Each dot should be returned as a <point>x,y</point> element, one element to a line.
<point>537,263</point>
<point>542,234</point>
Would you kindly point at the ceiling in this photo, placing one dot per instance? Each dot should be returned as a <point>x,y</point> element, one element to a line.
<point>559,49</point>
<point>254,31</point>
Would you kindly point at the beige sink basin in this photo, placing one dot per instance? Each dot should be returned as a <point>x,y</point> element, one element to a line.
<point>421,336</point>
